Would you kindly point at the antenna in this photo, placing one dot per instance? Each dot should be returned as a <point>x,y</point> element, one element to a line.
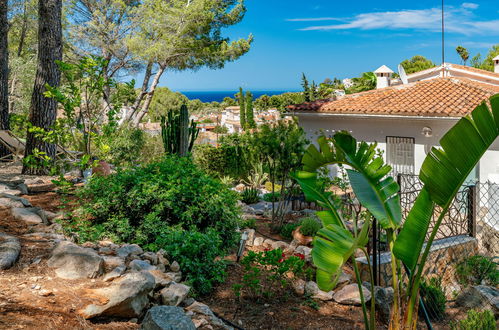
<point>443,34</point>
<point>402,74</point>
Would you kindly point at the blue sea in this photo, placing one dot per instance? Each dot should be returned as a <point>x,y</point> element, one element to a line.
<point>218,96</point>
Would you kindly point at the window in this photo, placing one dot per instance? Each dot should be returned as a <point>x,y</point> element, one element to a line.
<point>400,154</point>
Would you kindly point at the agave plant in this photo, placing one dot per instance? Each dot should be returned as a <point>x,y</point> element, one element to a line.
<point>443,172</point>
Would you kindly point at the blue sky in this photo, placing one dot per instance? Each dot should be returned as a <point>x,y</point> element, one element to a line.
<point>341,39</point>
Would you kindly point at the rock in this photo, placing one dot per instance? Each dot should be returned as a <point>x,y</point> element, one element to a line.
<point>167,318</point>
<point>268,243</point>
<point>324,296</point>
<point>26,215</point>
<point>305,250</point>
<point>114,274</point>
<point>175,267</point>
<point>344,278</point>
<point>72,261</point>
<point>45,293</point>
<point>201,311</point>
<point>9,250</point>
<point>176,276</point>
<point>299,286</point>
<point>126,296</point>
<point>280,245</point>
<point>40,187</point>
<point>151,257</point>
<point>8,203</point>
<point>258,241</point>
<point>174,294</point>
<point>251,236</point>
<point>311,288</point>
<point>161,278</point>
<point>349,295</point>
<point>24,201</point>
<point>240,187</point>
<point>106,251</point>
<point>261,207</point>
<point>23,188</point>
<point>161,259</point>
<point>140,265</point>
<point>383,298</point>
<point>479,297</point>
<point>129,249</point>
<point>111,263</point>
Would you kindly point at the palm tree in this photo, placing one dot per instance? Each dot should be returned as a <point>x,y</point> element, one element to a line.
<point>463,53</point>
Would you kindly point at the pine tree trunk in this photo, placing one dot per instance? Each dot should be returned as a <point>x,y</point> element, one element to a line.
<point>145,107</point>
<point>43,111</point>
<point>4,73</point>
<point>143,92</point>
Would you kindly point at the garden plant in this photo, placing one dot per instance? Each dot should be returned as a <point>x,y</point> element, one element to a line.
<point>443,172</point>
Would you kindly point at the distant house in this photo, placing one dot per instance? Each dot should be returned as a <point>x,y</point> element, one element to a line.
<point>408,119</point>
<point>231,118</point>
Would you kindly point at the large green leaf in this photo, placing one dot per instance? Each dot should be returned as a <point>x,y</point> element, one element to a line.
<point>333,246</point>
<point>443,173</point>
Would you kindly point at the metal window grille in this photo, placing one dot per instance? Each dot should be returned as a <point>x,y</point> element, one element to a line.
<point>400,154</point>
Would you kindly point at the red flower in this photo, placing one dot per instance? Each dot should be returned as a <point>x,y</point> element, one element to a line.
<point>283,255</point>
<point>300,255</point>
<point>281,260</point>
<point>266,250</point>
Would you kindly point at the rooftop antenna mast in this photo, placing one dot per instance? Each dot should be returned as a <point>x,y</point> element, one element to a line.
<point>443,37</point>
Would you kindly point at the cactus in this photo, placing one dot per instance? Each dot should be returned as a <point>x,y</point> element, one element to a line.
<point>177,133</point>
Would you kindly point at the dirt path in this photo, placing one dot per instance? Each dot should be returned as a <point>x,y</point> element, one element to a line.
<point>31,297</point>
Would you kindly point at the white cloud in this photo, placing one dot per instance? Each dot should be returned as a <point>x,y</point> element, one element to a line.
<point>469,5</point>
<point>314,19</point>
<point>457,20</point>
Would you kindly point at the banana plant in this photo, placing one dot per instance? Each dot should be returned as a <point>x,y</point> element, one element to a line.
<point>443,173</point>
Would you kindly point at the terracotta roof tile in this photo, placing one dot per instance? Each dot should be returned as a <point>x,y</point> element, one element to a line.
<point>440,97</point>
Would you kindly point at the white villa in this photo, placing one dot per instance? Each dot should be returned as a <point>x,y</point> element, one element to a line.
<point>231,119</point>
<point>406,120</point>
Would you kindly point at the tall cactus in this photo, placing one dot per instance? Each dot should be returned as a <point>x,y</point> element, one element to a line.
<point>177,133</point>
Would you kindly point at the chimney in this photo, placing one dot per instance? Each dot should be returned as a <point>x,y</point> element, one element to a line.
<point>496,64</point>
<point>383,76</point>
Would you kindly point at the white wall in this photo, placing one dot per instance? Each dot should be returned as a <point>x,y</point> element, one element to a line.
<point>376,129</point>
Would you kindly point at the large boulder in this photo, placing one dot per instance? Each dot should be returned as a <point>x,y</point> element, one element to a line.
<point>127,296</point>
<point>174,294</point>
<point>129,250</point>
<point>28,215</point>
<point>383,298</point>
<point>9,250</point>
<point>480,297</point>
<point>140,265</point>
<point>349,295</point>
<point>167,318</point>
<point>23,202</point>
<point>73,262</point>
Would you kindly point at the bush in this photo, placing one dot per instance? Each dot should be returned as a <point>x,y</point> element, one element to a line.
<point>136,205</point>
<point>265,273</point>
<point>124,146</point>
<point>434,298</point>
<point>271,197</point>
<point>476,320</point>
<point>287,230</point>
<point>250,196</point>
<point>309,226</point>
<point>477,269</point>
<point>198,255</point>
<point>250,223</point>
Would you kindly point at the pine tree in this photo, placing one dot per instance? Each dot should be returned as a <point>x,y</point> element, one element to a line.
<point>43,110</point>
<point>242,108</point>
<point>312,92</point>
<point>306,87</point>
<point>4,73</point>
<point>250,117</point>
<point>463,53</point>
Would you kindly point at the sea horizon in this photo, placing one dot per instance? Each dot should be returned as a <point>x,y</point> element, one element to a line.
<point>218,96</point>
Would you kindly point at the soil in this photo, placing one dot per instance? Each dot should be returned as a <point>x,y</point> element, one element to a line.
<point>31,297</point>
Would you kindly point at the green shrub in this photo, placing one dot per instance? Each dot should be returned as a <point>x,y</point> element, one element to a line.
<point>287,230</point>
<point>476,320</point>
<point>250,223</point>
<point>124,146</point>
<point>271,197</point>
<point>265,273</point>
<point>477,269</point>
<point>198,256</point>
<point>309,226</point>
<point>135,205</point>
<point>434,298</point>
<point>250,196</point>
